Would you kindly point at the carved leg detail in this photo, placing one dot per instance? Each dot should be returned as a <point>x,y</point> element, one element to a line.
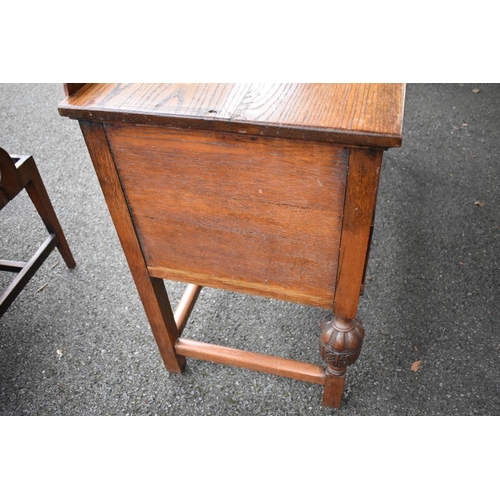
<point>340,345</point>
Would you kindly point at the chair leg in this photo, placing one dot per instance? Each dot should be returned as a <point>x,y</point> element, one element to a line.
<point>38,194</point>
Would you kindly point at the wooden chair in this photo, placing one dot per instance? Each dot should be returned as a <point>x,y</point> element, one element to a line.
<point>18,173</point>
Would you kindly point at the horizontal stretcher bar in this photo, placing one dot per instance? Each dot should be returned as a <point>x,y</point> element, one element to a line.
<point>27,272</point>
<point>299,370</point>
<point>13,266</point>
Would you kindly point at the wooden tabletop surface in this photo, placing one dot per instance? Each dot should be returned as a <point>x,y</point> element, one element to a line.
<point>356,114</point>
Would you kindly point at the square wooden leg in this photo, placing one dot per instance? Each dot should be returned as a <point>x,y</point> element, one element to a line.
<point>334,388</point>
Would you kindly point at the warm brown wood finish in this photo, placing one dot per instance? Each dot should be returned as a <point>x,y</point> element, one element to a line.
<point>251,360</point>
<point>340,345</point>
<point>334,389</point>
<point>185,306</point>
<point>72,88</point>
<point>16,174</point>
<point>359,114</point>
<point>362,183</point>
<point>278,202</point>
<point>151,290</point>
<point>267,189</point>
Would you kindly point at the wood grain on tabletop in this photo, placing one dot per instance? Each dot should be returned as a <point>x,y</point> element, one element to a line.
<point>365,114</point>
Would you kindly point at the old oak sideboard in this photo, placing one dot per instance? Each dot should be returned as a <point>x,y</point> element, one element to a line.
<point>265,189</point>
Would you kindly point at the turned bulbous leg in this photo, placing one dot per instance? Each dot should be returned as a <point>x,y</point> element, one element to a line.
<point>340,345</point>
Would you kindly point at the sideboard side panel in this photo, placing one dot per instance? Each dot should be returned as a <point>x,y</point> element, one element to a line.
<point>253,214</point>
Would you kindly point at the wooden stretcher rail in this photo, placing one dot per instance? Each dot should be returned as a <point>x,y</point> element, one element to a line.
<point>290,368</point>
<point>13,266</point>
<point>27,272</point>
<point>185,307</point>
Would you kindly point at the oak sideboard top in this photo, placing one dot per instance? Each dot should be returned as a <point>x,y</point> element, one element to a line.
<point>351,114</point>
